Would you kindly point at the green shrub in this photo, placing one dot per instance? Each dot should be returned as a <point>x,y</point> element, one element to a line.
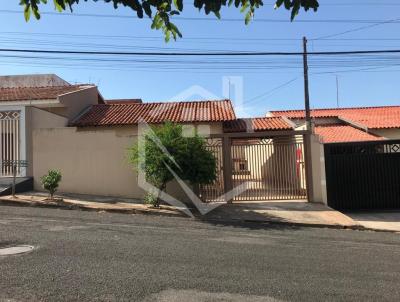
<point>188,156</point>
<point>50,181</point>
<point>151,199</point>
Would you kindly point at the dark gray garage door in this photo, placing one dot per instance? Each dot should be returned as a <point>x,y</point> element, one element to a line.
<point>363,175</point>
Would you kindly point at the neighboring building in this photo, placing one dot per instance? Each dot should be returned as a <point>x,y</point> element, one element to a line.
<point>32,102</point>
<point>32,80</point>
<point>349,124</point>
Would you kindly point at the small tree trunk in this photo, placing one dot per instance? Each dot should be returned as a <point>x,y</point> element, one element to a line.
<point>162,188</point>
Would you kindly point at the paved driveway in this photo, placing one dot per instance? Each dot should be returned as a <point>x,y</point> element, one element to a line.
<point>386,220</point>
<point>88,256</point>
<point>290,211</point>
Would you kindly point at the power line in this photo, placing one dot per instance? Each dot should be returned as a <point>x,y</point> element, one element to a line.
<point>187,38</point>
<point>230,53</point>
<point>357,29</point>
<point>179,18</point>
<point>96,36</point>
<point>197,66</point>
<point>271,91</point>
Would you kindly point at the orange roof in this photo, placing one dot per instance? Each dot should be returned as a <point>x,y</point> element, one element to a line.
<point>36,93</point>
<point>370,117</point>
<point>343,133</point>
<point>153,113</point>
<point>257,124</point>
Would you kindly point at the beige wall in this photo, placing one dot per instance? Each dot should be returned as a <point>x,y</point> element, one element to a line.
<point>36,118</point>
<point>74,103</point>
<point>43,119</point>
<point>318,171</point>
<point>78,101</point>
<point>92,160</point>
<point>387,133</point>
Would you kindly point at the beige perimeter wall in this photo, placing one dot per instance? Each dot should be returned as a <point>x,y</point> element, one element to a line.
<point>318,171</point>
<point>36,118</point>
<point>92,161</point>
<point>387,133</point>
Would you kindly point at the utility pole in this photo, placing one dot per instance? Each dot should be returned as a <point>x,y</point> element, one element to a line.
<point>306,90</point>
<point>307,136</point>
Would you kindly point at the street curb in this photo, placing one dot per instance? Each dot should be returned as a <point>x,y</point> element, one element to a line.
<point>7,202</point>
<point>299,224</point>
<point>67,206</point>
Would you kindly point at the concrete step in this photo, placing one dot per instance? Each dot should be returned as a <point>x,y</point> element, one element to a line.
<point>22,184</point>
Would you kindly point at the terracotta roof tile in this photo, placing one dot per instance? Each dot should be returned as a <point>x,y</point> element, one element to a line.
<point>370,117</point>
<point>36,93</point>
<point>257,124</point>
<point>153,113</point>
<point>343,133</point>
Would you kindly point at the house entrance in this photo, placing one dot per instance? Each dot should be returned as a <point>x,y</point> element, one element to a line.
<point>266,168</point>
<point>9,142</point>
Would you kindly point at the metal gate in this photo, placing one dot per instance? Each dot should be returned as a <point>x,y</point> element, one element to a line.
<point>215,191</point>
<point>363,175</point>
<point>9,141</point>
<point>267,169</point>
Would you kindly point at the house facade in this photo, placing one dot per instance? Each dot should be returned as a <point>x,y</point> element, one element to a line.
<point>33,102</point>
<point>48,123</point>
<point>91,150</point>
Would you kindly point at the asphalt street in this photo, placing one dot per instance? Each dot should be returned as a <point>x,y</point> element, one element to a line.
<point>88,256</point>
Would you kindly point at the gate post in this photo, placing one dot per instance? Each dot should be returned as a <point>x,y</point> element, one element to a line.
<point>227,165</point>
<point>308,165</point>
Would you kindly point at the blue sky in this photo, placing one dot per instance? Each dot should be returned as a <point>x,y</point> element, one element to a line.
<point>268,83</point>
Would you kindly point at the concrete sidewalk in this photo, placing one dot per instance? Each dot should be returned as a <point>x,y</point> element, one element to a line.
<point>89,202</point>
<point>378,220</point>
<point>286,211</point>
<point>298,212</point>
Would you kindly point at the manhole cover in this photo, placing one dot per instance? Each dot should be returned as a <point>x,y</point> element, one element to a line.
<point>14,250</point>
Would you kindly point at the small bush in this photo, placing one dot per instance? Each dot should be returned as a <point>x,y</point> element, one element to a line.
<point>188,156</point>
<point>150,198</point>
<point>50,181</point>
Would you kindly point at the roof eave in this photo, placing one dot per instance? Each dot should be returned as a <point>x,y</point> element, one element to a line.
<point>30,102</point>
<point>353,123</point>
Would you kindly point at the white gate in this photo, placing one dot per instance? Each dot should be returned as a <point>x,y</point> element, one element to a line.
<point>9,141</point>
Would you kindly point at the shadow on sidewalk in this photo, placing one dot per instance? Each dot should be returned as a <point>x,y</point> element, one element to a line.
<point>240,217</point>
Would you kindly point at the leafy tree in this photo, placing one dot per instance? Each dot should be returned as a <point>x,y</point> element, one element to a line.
<point>51,181</point>
<point>161,11</point>
<point>198,163</point>
<point>165,148</point>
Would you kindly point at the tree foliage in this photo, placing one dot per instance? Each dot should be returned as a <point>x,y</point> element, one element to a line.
<point>166,148</point>
<point>161,11</point>
<point>50,181</point>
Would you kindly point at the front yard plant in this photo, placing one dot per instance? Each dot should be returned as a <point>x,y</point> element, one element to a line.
<point>50,182</point>
<point>150,199</point>
<point>165,148</point>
